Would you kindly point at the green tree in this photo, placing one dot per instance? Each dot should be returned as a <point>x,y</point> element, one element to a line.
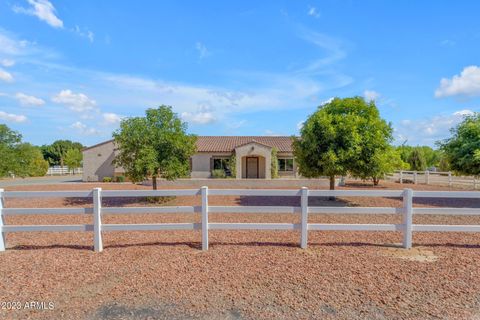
<point>462,149</point>
<point>156,145</point>
<point>341,137</point>
<point>379,164</point>
<point>432,156</point>
<point>9,139</point>
<point>417,160</point>
<point>73,159</point>
<point>56,152</point>
<point>29,161</point>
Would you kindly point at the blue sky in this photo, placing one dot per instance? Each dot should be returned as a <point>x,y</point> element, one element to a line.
<point>73,69</point>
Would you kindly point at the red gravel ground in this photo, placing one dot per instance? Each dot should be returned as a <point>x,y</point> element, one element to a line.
<point>245,274</point>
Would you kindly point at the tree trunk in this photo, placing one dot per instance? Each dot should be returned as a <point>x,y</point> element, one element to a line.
<point>154,182</point>
<point>376,180</point>
<point>332,187</point>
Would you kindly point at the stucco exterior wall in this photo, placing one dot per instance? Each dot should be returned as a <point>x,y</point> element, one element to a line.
<point>201,165</point>
<point>97,162</point>
<point>254,150</point>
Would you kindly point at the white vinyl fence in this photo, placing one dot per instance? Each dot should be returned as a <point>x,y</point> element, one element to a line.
<point>59,170</point>
<point>436,177</point>
<point>406,210</point>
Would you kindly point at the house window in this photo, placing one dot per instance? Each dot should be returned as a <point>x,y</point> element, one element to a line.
<point>285,164</point>
<point>222,164</point>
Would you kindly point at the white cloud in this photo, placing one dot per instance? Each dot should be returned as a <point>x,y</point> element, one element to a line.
<point>10,46</point>
<point>202,50</point>
<point>333,48</point>
<point>465,84</point>
<point>26,100</point>
<point>200,117</point>
<point>300,125</point>
<point>78,102</point>
<point>327,101</point>
<point>235,124</point>
<point>464,112</point>
<point>271,133</point>
<point>10,117</point>
<point>111,118</point>
<point>7,62</point>
<point>428,131</point>
<point>83,129</point>
<point>313,12</point>
<point>371,95</point>
<point>43,10</point>
<point>5,76</point>
<point>84,33</point>
<point>447,43</point>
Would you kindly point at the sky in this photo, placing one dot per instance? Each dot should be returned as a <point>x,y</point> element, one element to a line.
<point>73,69</point>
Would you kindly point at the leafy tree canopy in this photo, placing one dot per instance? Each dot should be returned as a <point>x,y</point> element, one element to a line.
<point>29,161</point>
<point>73,159</point>
<point>462,149</point>
<point>344,135</point>
<point>421,157</point>
<point>20,159</point>
<point>55,153</point>
<point>156,145</point>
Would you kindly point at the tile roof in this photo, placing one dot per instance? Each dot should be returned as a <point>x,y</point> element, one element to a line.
<point>229,143</point>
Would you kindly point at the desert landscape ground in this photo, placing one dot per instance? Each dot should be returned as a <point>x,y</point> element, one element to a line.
<point>245,274</point>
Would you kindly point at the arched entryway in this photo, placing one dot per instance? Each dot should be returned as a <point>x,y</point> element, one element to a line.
<point>253,161</point>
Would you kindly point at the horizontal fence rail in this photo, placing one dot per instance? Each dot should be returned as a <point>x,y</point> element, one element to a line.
<point>435,177</point>
<point>303,211</point>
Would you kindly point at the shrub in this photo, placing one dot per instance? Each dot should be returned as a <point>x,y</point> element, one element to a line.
<point>274,165</point>
<point>119,179</point>
<point>107,179</point>
<point>218,174</point>
<point>233,166</point>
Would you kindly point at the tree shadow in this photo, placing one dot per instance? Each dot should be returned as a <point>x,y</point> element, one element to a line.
<point>253,244</point>
<point>292,201</point>
<point>51,246</point>
<point>117,202</point>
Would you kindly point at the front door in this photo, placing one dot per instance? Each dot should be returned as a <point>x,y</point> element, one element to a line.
<point>252,167</point>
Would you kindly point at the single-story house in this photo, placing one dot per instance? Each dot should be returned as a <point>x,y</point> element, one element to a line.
<point>253,157</point>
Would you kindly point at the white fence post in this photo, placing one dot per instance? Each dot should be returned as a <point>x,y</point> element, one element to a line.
<point>427,176</point>
<point>407,217</point>
<point>304,224</point>
<point>204,218</point>
<point>401,176</point>
<point>414,177</point>
<point>3,242</point>
<point>449,178</point>
<point>97,219</point>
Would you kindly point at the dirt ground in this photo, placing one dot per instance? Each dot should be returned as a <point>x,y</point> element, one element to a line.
<point>245,274</point>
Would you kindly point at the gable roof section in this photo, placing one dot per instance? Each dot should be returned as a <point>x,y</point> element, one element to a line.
<point>229,143</point>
